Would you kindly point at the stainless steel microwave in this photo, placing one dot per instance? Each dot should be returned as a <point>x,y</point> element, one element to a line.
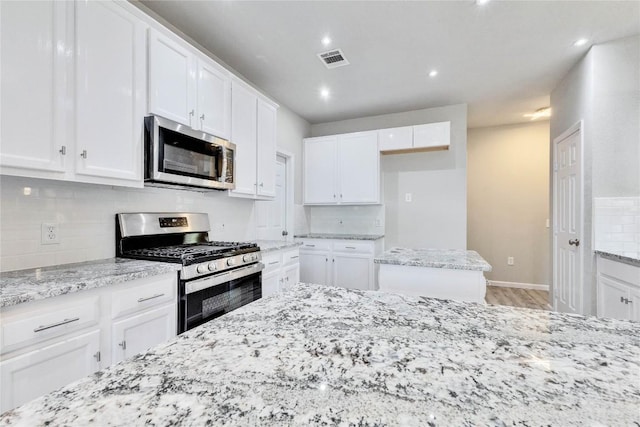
<point>176,155</point>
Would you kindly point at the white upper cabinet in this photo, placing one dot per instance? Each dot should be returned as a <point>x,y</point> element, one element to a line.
<point>243,134</point>
<point>33,85</point>
<point>214,98</point>
<point>188,87</point>
<point>320,170</point>
<point>396,138</point>
<point>342,169</point>
<point>73,91</point>
<point>253,130</point>
<point>432,135</point>
<point>172,79</point>
<point>427,137</point>
<point>266,143</point>
<point>110,91</point>
<point>358,168</point>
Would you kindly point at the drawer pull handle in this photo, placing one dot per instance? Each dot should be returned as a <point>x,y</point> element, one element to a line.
<point>273,262</point>
<point>148,298</point>
<point>310,246</point>
<point>53,325</point>
<point>350,247</point>
<point>123,344</point>
<point>295,256</point>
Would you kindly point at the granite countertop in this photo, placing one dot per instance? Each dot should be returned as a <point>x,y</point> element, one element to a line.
<point>22,286</point>
<point>275,245</point>
<point>339,236</point>
<point>453,259</point>
<point>318,355</point>
<point>627,258</point>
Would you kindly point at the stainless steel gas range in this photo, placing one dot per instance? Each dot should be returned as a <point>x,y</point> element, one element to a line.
<point>215,278</point>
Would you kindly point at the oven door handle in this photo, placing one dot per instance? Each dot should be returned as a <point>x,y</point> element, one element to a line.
<point>218,279</point>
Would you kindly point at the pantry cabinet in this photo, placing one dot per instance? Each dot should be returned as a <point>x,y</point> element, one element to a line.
<point>253,130</point>
<point>336,262</point>
<point>73,90</point>
<point>342,169</point>
<point>188,87</point>
<point>618,290</point>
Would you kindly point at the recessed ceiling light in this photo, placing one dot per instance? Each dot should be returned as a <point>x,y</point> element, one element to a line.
<point>580,42</point>
<point>326,40</point>
<point>433,73</point>
<point>324,93</point>
<point>540,113</point>
<point>482,2</point>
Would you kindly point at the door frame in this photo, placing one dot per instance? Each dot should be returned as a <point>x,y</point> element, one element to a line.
<point>576,127</point>
<point>289,197</point>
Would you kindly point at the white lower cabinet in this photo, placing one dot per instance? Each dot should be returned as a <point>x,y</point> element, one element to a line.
<point>344,263</point>
<point>49,343</point>
<point>45,369</point>
<point>282,270</point>
<point>136,334</point>
<point>618,290</point>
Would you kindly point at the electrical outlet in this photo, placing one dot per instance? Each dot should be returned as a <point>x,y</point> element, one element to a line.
<point>49,234</point>
<point>510,260</point>
<point>408,197</point>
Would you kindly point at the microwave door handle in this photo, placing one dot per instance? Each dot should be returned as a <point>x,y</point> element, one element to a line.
<point>222,174</point>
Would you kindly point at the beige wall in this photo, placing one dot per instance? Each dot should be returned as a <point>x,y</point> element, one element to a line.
<point>508,200</point>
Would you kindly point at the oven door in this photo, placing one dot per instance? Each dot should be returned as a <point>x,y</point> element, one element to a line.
<point>205,299</point>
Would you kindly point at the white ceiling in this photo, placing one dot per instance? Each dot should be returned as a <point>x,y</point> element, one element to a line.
<point>503,58</point>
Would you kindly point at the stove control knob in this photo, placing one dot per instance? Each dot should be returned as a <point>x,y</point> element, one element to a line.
<point>247,258</point>
<point>202,268</point>
<point>230,262</point>
<point>212,266</point>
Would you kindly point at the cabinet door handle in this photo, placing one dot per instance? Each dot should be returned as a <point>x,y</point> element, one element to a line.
<point>295,256</point>
<point>53,325</point>
<point>123,344</point>
<point>341,196</point>
<point>350,247</point>
<point>262,184</point>
<point>334,196</point>
<point>574,242</point>
<point>192,112</point>
<point>84,154</point>
<point>202,117</point>
<point>273,262</point>
<point>97,356</point>
<point>310,246</point>
<point>625,300</point>
<point>151,297</point>
<point>63,150</point>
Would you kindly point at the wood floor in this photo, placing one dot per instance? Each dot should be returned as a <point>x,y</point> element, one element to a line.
<point>527,298</point>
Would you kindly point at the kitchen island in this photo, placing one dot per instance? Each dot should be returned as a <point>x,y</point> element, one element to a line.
<point>318,355</point>
<point>455,274</point>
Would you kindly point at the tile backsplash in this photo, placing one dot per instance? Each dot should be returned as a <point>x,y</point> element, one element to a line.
<point>346,219</point>
<point>617,225</point>
<point>85,215</point>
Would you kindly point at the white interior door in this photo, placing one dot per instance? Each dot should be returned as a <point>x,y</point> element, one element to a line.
<point>568,286</point>
<point>272,215</point>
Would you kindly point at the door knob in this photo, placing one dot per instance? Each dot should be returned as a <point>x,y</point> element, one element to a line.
<point>575,242</point>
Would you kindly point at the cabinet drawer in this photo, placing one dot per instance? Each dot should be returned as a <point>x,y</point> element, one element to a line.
<point>290,257</point>
<point>315,245</point>
<point>271,262</point>
<point>144,293</point>
<point>33,327</point>
<point>353,247</point>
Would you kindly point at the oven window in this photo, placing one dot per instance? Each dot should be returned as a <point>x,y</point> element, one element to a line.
<point>200,307</point>
<point>183,155</point>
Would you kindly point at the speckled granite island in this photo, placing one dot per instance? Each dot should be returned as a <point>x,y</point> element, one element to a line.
<point>319,355</point>
<point>439,273</point>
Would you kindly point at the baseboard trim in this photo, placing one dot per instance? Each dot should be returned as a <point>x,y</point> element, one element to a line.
<point>535,286</point>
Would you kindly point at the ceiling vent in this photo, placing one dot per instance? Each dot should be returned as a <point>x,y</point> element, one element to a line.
<point>333,58</point>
